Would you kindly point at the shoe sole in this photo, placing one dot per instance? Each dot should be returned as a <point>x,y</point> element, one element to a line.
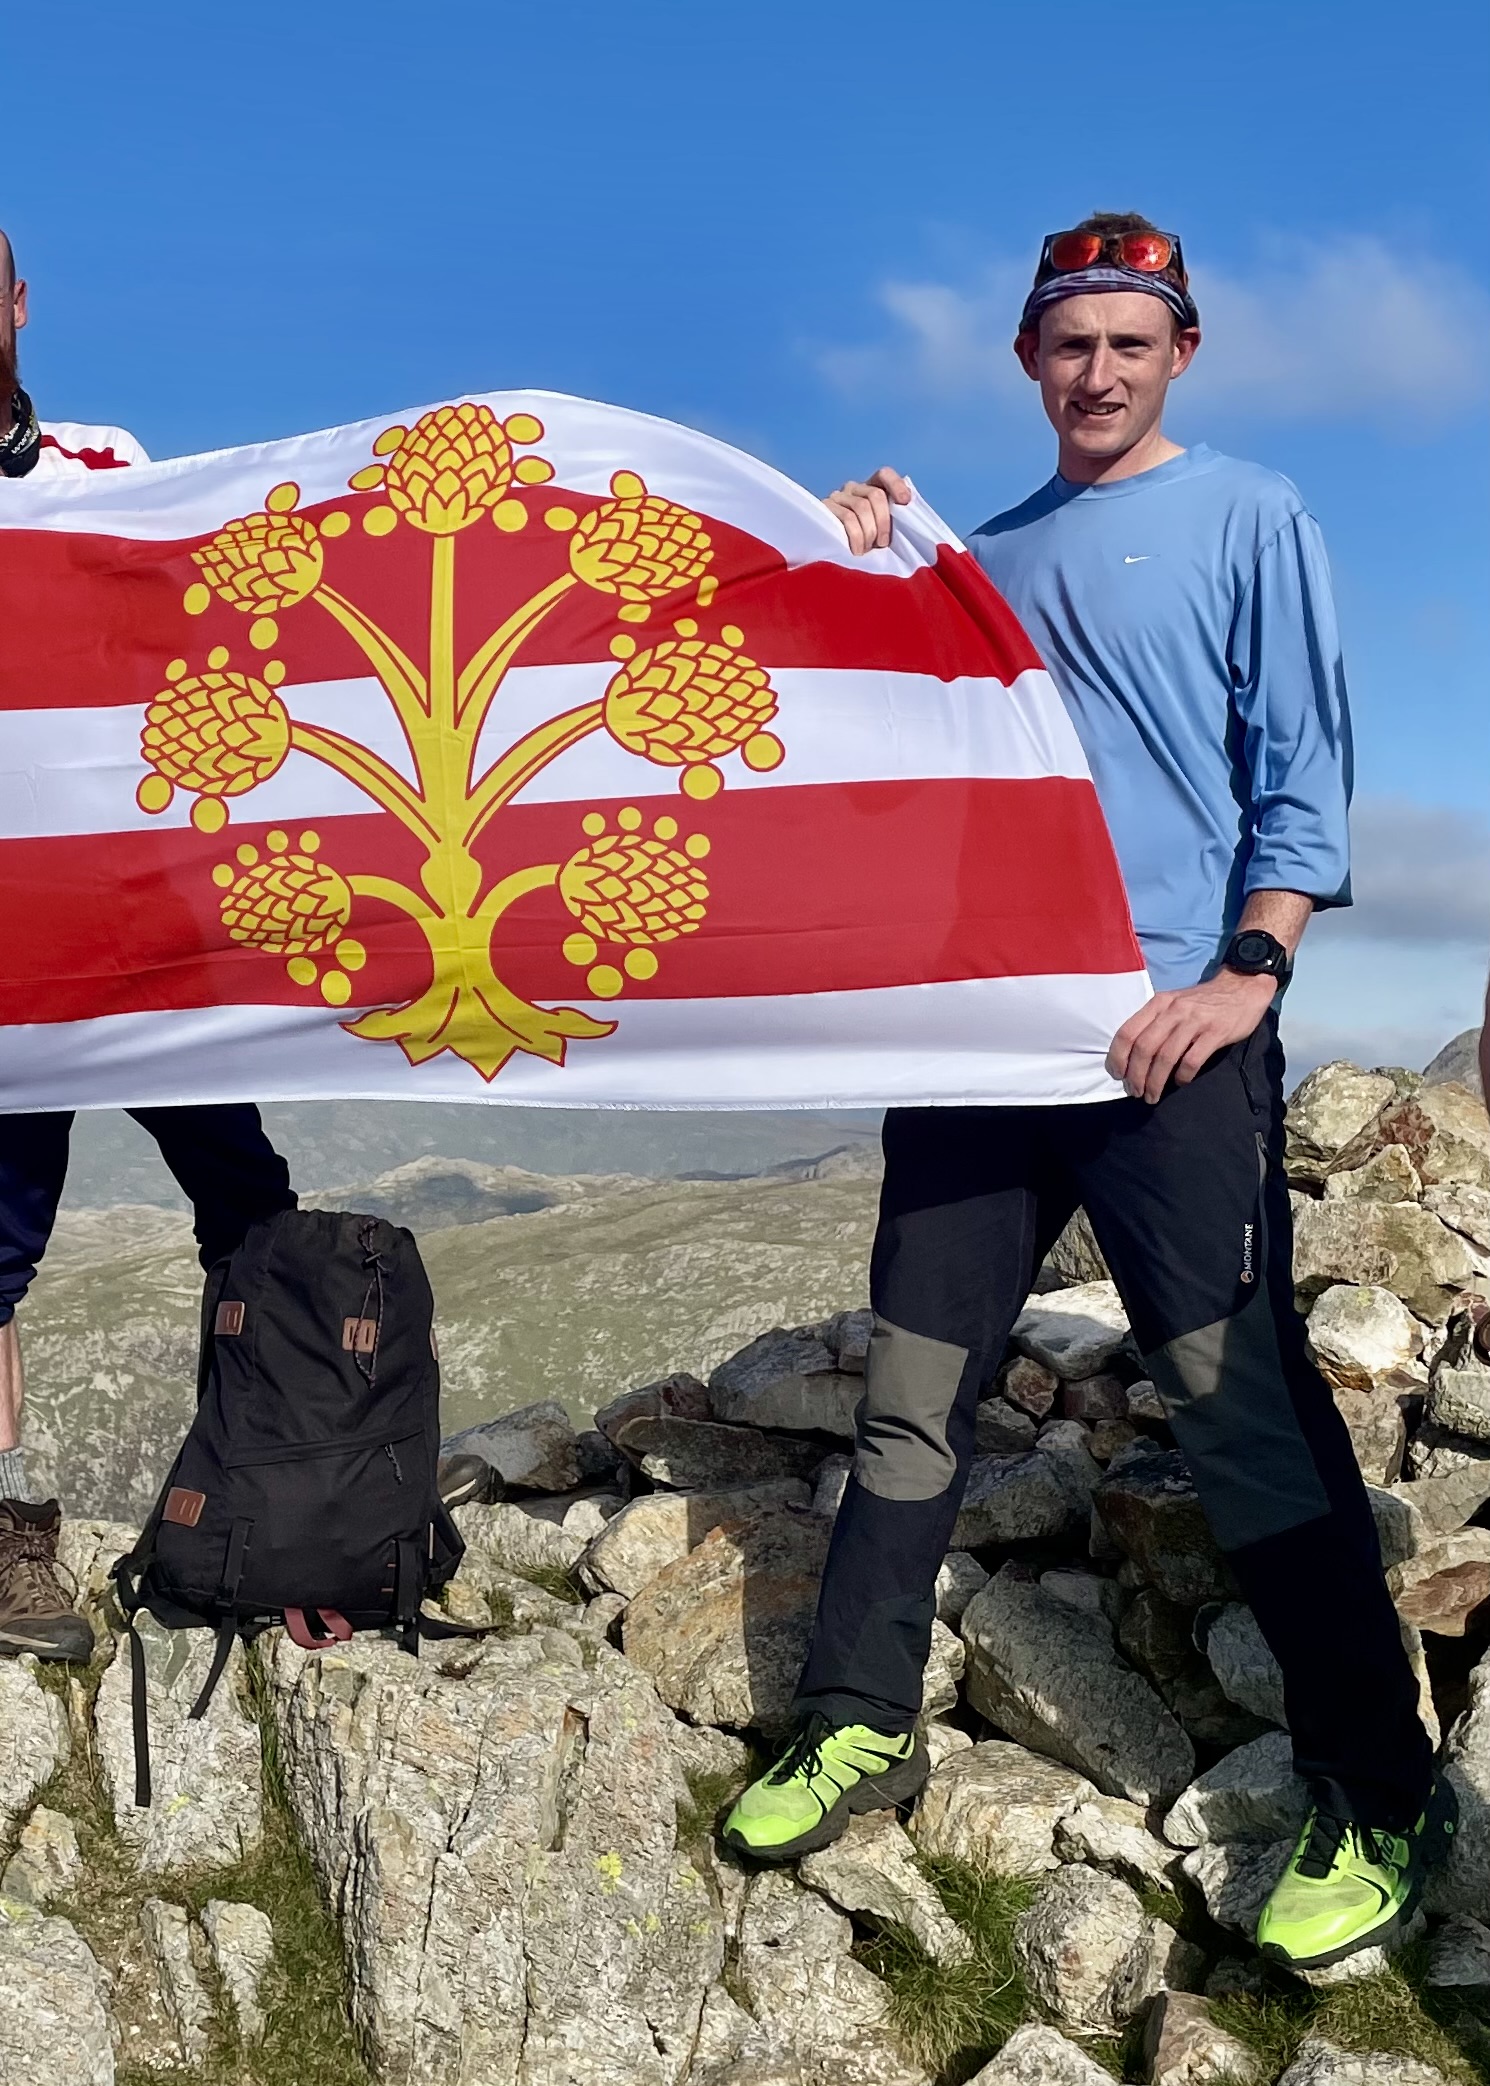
<point>15,1644</point>
<point>475,1492</point>
<point>884,1792</point>
<point>1444,1804</point>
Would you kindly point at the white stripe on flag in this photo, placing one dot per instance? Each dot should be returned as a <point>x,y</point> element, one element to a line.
<point>76,771</point>
<point>891,1046</point>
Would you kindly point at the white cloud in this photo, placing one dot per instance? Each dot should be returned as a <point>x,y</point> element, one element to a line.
<point>1355,330</point>
<point>1420,874</point>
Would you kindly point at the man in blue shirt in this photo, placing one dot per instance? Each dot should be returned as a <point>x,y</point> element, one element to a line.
<point>1181,601</point>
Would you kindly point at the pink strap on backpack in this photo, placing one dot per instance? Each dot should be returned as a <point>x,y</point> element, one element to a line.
<point>335,1629</point>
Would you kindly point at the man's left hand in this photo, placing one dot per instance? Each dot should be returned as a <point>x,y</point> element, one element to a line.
<point>1177,1032</point>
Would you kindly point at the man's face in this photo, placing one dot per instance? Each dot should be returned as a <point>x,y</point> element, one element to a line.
<point>1103,363</point>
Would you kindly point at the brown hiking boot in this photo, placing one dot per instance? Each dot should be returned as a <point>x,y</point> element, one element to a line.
<point>35,1614</point>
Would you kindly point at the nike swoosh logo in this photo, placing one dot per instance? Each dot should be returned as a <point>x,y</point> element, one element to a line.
<point>1144,560</point>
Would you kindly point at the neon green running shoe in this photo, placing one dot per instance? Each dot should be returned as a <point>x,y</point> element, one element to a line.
<point>825,1775</point>
<point>1350,1886</point>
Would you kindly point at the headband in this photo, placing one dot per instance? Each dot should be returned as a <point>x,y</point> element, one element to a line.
<point>1105,276</point>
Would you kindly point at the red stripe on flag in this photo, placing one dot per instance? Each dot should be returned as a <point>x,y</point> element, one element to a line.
<point>815,889</point>
<point>93,620</point>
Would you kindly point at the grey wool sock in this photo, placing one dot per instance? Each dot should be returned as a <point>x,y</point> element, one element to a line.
<point>13,1474</point>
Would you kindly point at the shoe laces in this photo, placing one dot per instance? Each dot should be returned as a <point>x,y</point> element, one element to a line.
<point>804,1756</point>
<point>1328,1833</point>
<point>30,1554</point>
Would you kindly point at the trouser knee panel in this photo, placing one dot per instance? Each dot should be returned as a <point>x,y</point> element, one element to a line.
<point>902,1448</point>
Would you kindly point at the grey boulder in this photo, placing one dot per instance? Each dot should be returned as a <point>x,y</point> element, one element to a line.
<point>789,1380</point>
<point>1051,1677</point>
<point>532,1449</point>
<point>1092,1957</point>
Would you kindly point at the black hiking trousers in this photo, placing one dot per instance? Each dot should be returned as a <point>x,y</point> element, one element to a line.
<point>219,1154</point>
<point>1189,1204</point>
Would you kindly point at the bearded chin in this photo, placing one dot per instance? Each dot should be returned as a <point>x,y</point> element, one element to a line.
<point>9,376</point>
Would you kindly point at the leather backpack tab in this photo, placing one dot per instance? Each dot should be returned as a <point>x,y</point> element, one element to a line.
<point>229,1319</point>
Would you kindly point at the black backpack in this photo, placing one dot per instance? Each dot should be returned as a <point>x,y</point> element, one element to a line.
<point>305,1489</point>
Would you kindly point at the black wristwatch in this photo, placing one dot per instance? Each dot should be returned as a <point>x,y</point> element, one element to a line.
<point>1258,955</point>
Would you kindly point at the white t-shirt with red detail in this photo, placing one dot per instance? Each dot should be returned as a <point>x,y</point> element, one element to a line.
<point>67,446</point>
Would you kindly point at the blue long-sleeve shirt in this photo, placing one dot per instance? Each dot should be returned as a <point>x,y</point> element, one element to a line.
<point>1187,620</point>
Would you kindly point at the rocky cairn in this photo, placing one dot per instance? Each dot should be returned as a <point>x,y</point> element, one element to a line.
<point>516,1832</point>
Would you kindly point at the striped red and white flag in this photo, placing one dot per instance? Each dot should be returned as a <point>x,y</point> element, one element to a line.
<point>531,750</point>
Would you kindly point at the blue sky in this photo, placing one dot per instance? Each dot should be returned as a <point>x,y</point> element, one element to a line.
<point>805,227</point>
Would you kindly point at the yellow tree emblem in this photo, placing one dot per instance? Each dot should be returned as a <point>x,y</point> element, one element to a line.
<point>684,703</point>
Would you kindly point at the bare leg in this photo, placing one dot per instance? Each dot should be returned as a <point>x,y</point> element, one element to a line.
<point>12,1386</point>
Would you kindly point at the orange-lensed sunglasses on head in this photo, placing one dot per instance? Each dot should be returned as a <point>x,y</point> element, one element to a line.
<point>1146,253</point>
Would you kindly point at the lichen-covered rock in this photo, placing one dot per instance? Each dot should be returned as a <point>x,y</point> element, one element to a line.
<point>47,1863</point>
<point>660,1527</point>
<point>872,1869</point>
<point>680,1397</point>
<point>208,1808</point>
<point>1150,1508</point>
<point>166,1931</point>
<point>54,2030</point>
<point>1050,1676</point>
<point>1378,1433</point>
<point>1459,1396</point>
<point>724,1631</point>
<point>795,1973</point>
<point>1090,1954</point>
<point>703,1455</point>
<point>1388,1176</point>
<point>959,1578</point>
<point>1364,1338</point>
<point>1325,1111</point>
<point>1184,2046</point>
<point>1073,1332</point>
<point>1460,1886</point>
<point>1459,1959</point>
<point>532,1449</point>
<point>1030,1387</point>
<point>1076,1256</point>
<point>1093,1398</point>
<point>1253,1794</point>
<point>1446,1584</point>
<point>1036,2055</point>
<point>498,1825</point>
<point>508,1539</point>
<point>1002,1429</point>
<point>1465,1210</point>
<point>1157,1634</point>
<point>1397,1246</point>
<point>1235,1877</point>
<point>1086,1590</point>
<point>1043,1496</point>
<point>34,1738</point>
<point>1443,1129</point>
<point>997,1806</point>
<point>1243,1664</point>
<point>789,1380</point>
<point>241,1939</point>
<point>1321,2064</point>
<point>1107,1833</point>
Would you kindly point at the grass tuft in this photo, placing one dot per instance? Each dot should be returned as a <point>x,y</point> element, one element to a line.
<point>309,2039</point>
<point>708,1796</point>
<point>555,1579</point>
<point>952,2017</point>
<point>1390,2014</point>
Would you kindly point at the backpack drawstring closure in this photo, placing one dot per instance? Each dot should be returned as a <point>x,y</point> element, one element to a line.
<point>371,1258</point>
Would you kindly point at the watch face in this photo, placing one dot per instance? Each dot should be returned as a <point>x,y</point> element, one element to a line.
<point>1254,948</point>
